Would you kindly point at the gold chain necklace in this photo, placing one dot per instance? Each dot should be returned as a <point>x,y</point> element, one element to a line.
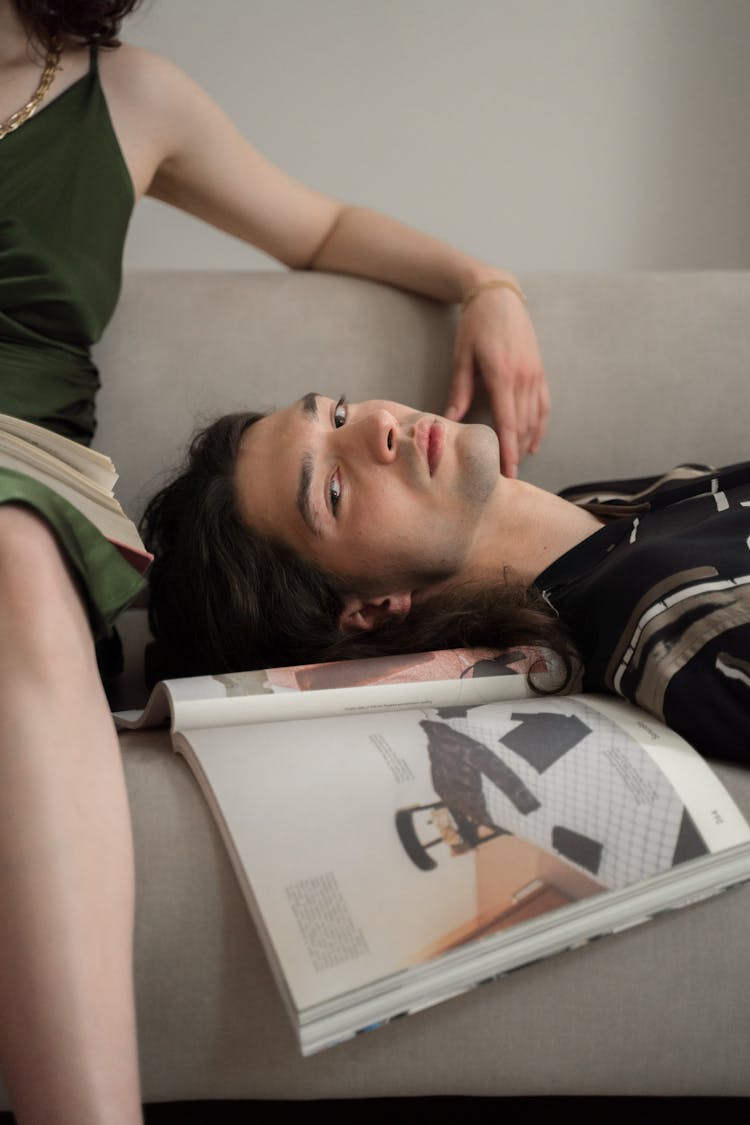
<point>51,63</point>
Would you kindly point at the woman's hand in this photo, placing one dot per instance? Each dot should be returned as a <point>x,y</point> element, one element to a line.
<point>496,340</point>
<point>184,150</point>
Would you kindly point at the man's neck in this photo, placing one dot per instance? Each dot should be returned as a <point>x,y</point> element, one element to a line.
<point>525,529</point>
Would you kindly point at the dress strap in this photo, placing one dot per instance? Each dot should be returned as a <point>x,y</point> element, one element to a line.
<point>93,58</point>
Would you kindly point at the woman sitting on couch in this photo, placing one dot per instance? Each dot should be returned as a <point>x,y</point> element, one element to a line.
<point>330,530</point>
<point>87,127</point>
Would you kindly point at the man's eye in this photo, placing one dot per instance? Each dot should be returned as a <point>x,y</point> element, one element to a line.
<point>340,412</point>
<point>334,491</point>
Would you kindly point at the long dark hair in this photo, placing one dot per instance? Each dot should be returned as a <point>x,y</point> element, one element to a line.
<point>224,598</point>
<point>501,614</point>
<point>91,21</point>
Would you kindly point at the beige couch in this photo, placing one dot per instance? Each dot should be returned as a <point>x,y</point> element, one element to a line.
<point>645,371</point>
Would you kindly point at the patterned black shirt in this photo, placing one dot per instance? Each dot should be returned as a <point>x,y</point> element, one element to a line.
<point>658,600</point>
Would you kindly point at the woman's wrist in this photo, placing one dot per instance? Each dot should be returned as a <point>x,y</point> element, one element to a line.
<point>498,281</point>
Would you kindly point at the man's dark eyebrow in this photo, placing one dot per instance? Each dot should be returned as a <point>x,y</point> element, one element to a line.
<point>303,493</point>
<point>309,404</point>
<point>309,407</point>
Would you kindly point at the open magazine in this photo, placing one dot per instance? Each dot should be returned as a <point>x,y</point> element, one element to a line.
<point>441,825</point>
<point>83,477</point>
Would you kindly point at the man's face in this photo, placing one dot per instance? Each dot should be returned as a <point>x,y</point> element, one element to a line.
<point>383,496</point>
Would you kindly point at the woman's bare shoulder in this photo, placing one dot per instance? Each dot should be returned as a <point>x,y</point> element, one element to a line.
<point>151,102</point>
<point>141,75</point>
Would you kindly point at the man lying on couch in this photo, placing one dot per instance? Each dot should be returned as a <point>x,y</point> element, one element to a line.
<point>330,529</point>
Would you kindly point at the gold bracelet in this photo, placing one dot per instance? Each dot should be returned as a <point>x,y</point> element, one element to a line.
<point>495,283</point>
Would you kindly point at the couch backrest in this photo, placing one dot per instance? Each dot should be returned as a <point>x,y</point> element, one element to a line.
<point>645,370</point>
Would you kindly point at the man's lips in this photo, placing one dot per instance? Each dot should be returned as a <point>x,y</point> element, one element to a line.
<point>436,446</point>
<point>430,439</point>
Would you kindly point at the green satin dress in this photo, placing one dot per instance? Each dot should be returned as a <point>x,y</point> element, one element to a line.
<point>65,202</point>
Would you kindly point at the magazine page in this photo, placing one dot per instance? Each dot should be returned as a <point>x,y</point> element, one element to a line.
<point>376,844</point>
<point>159,709</point>
<point>99,508</point>
<point>17,453</point>
<point>426,679</point>
<point>94,465</point>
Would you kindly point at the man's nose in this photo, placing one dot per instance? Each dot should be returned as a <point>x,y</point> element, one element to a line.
<point>379,432</point>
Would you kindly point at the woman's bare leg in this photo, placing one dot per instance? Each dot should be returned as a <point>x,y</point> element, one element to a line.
<point>67,1032</point>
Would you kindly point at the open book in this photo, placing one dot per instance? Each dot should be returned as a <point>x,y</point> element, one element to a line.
<point>82,476</point>
<point>407,828</point>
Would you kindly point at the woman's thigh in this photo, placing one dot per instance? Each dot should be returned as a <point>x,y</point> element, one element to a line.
<point>43,623</point>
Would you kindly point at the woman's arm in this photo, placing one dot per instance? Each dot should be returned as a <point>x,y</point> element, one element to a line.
<point>205,166</point>
<point>495,338</point>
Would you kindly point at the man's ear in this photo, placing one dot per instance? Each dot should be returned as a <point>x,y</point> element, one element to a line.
<point>360,613</point>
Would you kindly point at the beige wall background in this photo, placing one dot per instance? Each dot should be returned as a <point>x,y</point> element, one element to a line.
<point>537,134</point>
